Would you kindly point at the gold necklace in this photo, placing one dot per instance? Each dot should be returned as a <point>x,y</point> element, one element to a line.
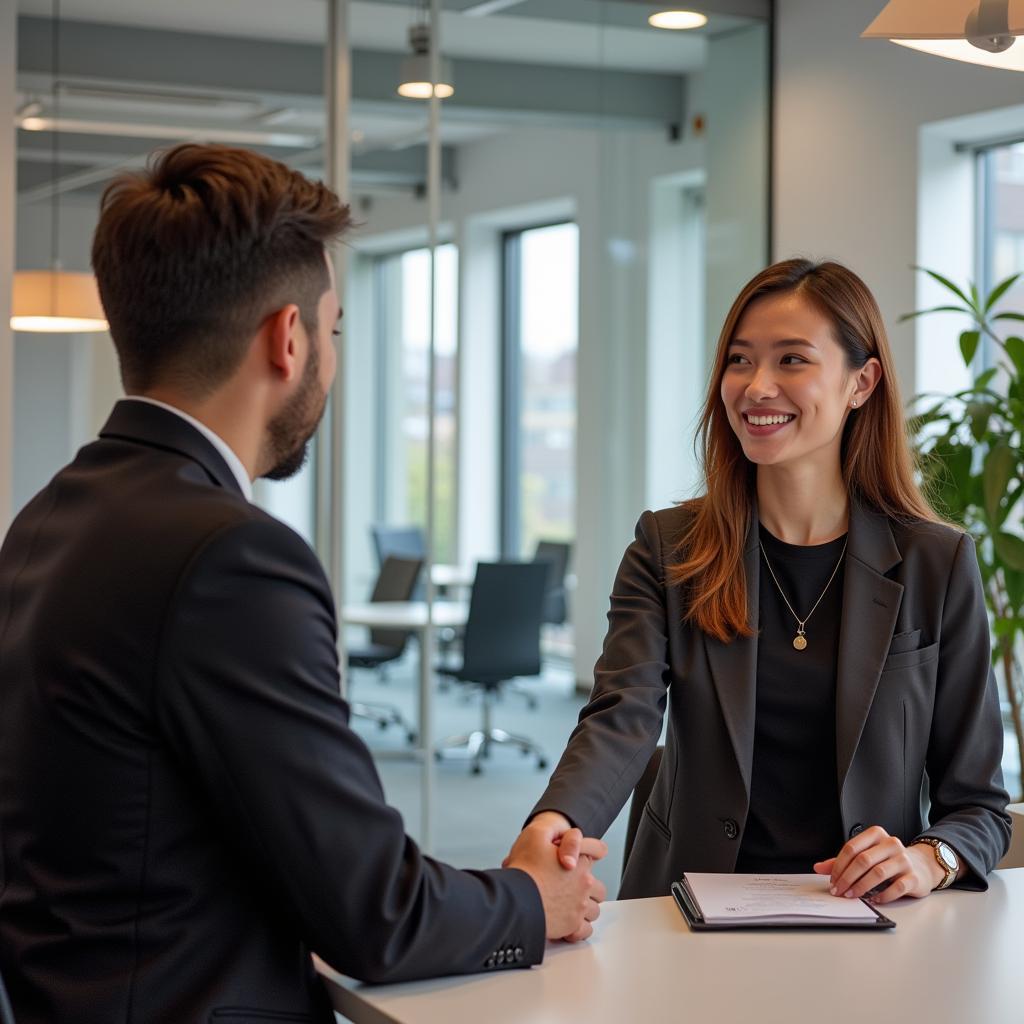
<point>800,640</point>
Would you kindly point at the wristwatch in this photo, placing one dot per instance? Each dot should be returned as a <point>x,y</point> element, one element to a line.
<point>948,860</point>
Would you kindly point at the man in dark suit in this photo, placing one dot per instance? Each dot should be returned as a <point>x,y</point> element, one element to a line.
<point>184,811</point>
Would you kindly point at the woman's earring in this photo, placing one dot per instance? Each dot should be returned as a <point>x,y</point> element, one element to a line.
<point>854,403</point>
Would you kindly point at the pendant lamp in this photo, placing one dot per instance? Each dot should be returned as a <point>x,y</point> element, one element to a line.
<point>54,300</point>
<point>984,32</point>
<point>415,73</point>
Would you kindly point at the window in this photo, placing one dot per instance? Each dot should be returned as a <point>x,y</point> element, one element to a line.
<point>541,296</point>
<point>403,300</point>
<point>1001,222</point>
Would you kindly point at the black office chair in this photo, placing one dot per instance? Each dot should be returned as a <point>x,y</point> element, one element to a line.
<point>556,553</point>
<point>6,1013</point>
<point>641,795</point>
<point>395,582</point>
<point>403,542</point>
<point>501,642</point>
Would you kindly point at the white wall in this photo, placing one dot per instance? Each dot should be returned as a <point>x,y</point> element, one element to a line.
<point>847,119</point>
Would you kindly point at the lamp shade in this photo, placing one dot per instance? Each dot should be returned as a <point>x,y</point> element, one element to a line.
<point>415,75</point>
<point>986,32</point>
<point>55,301</point>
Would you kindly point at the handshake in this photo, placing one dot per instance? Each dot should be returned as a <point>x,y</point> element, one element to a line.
<point>558,859</point>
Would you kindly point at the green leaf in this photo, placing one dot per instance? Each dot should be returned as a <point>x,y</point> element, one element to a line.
<point>947,284</point>
<point>1015,350</point>
<point>1008,316</point>
<point>980,413</point>
<point>999,469</point>
<point>936,309</point>
<point>1010,550</point>
<point>969,345</point>
<point>999,291</point>
<point>984,379</point>
<point>1014,586</point>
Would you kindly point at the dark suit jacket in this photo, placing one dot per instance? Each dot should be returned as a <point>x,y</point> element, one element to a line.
<point>917,716</point>
<point>184,810</point>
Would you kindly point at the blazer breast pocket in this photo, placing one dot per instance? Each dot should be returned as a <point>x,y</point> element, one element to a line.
<point>912,658</point>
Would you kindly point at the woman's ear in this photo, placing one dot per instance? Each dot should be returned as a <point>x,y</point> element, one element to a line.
<point>865,380</point>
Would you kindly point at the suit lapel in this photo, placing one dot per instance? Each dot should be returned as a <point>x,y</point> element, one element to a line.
<point>871,603</point>
<point>734,666</point>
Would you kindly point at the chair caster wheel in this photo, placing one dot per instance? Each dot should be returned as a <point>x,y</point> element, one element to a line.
<point>437,756</point>
<point>476,769</point>
<point>541,764</point>
<point>532,705</point>
<point>411,737</point>
<point>382,726</point>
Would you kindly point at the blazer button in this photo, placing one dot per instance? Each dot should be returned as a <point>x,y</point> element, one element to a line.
<point>856,830</point>
<point>510,955</point>
<point>489,962</point>
<point>501,957</point>
<point>731,829</point>
<point>518,953</point>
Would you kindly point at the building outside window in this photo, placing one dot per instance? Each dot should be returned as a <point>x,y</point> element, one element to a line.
<point>541,300</point>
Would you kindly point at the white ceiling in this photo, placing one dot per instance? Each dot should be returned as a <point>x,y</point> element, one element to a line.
<point>384,26</point>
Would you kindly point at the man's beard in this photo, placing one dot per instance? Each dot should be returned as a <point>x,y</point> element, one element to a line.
<point>290,431</point>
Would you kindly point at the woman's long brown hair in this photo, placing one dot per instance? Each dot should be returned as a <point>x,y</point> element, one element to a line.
<point>877,464</point>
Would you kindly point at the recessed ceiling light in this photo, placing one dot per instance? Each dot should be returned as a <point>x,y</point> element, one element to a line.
<point>678,19</point>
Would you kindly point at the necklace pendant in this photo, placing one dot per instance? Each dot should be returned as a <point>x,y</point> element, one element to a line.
<point>799,641</point>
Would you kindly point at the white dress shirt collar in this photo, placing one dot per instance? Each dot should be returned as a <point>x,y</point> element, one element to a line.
<point>225,451</point>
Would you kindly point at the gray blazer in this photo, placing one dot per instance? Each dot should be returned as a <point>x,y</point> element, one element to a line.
<point>918,733</point>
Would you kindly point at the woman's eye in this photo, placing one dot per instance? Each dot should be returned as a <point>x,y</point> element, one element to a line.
<point>733,359</point>
<point>792,360</point>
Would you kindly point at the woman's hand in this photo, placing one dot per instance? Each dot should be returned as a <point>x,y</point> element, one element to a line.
<point>874,858</point>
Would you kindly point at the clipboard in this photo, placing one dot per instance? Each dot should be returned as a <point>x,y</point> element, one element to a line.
<point>695,919</point>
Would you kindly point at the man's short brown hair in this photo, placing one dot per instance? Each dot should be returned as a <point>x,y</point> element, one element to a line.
<point>195,252</point>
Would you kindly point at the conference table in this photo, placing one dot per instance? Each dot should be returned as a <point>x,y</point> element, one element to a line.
<point>953,958</point>
<point>411,616</point>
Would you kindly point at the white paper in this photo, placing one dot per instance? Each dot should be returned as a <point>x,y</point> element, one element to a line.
<point>772,899</point>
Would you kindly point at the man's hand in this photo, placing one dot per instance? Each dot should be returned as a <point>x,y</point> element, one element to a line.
<point>873,858</point>
<point>571,895</point>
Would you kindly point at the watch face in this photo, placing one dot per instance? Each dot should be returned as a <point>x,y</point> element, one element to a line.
<point>948,857</point>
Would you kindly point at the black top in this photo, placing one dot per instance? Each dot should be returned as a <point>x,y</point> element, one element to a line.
<point>794,801</point>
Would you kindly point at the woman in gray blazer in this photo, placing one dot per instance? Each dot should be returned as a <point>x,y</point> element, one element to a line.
<point>817,634</point>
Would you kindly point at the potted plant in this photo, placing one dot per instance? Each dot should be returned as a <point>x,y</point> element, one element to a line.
<point>971,449</point>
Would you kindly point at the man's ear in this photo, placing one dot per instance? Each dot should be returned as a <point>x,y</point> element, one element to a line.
<point>281,330</point>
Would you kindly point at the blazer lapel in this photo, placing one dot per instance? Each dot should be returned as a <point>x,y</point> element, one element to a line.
<point>734,667</point>
<point>871,603</point>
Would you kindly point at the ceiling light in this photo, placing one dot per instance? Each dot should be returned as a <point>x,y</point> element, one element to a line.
<point>678,19</point>
<point>986,32</point>
<point>56,301</point>
<point>53,300</point>
<point>415,81</point>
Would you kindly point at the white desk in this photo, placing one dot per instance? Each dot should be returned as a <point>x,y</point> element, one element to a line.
<point>953,958</point>
<point>412,616</point>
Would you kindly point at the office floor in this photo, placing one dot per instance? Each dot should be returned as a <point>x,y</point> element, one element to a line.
<point>478,816</point>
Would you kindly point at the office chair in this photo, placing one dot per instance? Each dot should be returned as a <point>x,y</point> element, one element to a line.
<point>556,553</point>
<point>395,582</point>
<point>500,643</point>
<point>641,795</point>
<point>6,1013</point>
<point>402,541</point>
